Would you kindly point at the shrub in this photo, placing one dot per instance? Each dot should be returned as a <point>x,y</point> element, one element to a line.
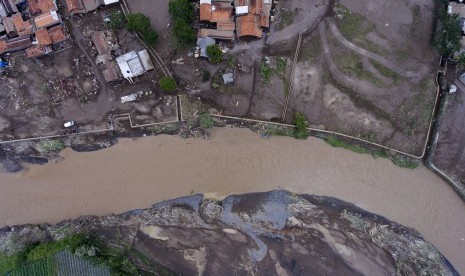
<point>182,9</point>
<point>301,124</point>
<point>137,22</point>
<point>206,120</point>
<point>116,20</point>
<point>168,84</point>
<point>215,54</point>
<point>150,36</point>
<point>183,32</point>
<point>448,33</point>
<point>266,72</point>
<point>50,146</point>
<point>140,23</point>
<point>205,75</point>
<point>182,12</point>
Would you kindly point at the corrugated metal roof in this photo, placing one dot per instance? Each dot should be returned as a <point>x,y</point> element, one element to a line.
<point>146,61</point>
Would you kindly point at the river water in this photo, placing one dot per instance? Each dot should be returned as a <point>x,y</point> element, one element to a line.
<point>136,174</point>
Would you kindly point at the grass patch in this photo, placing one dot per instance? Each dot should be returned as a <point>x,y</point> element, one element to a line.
<point>404,162</point>
<point>396,78</point>
<point>265,72</point>
<point>43,267</point>
<point>170,128</point>
<point>415,113</point>
<point>286,19</point>
<point>368,136</point>
<point>311,50</point>
<point>300,122</point>
<point>50,146</point>
<point>335,142</point>
<point>353,25</point>
<point>281,65</point>
<point>351,63</point>
<point>276,130</point>
<point>206,120</point>
<point>37,259</point>
<point>397,159</point>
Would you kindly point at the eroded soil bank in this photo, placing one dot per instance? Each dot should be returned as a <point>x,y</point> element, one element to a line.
<point>135,174</point>
<point>274,233</point>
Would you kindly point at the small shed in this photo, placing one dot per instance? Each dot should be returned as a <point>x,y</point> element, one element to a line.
<point>228,78</point>
<point>134,63</point>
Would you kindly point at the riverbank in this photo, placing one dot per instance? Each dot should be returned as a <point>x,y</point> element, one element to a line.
<point>136,174</point>
<point>197,236</point>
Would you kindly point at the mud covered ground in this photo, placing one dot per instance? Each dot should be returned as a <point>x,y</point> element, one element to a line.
<point>275,233</point>
<point>449,154</point>
<point>358,71</point>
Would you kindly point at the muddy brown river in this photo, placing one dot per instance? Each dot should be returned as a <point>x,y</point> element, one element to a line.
<point>135,174</point>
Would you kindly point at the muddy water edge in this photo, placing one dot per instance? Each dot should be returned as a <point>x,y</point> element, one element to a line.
<point>136,174</point>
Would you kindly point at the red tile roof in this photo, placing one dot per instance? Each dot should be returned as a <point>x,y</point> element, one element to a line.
<point>75,6</point>
<point>41,6</point>
<point>57,34</point>
<point>43,37</point>
<point>47,19</point>
<point>251,24</point>
<point>36,51</point>
<point>3,46</point>
<point>221,15</point>
<point>20,24</point>
<point>205,12</point>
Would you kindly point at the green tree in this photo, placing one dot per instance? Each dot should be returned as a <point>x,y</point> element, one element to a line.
<point>183,32</point>
<point>116,20</point>
<point>182,9</point>
<point>137,22</point>
<point>301,124</point>
<point>215,54</point>
<point>168,84</point>
<point>150,36</point>
<point>140,23</point>
<point>448,33</point>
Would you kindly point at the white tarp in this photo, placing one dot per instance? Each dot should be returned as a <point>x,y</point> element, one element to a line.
<point>108,2</point>
<point>240,10</point>
<point>129,98</point>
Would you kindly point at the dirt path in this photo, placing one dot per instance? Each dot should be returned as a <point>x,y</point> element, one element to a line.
<point>421,71</point>
<point>311,12</point>
<point>135,174</point>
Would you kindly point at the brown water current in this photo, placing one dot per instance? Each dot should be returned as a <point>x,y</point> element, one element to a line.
<point>136,174</point>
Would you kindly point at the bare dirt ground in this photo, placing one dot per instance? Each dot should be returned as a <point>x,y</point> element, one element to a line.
<point>39,95</point>
<point>359,71</point>
<point>450,152</point>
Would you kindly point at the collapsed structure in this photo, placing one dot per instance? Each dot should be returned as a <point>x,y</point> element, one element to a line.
<point>251,17</point>
<point>126,65</point>
<point>85,6</point>
<point>35,30</point>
